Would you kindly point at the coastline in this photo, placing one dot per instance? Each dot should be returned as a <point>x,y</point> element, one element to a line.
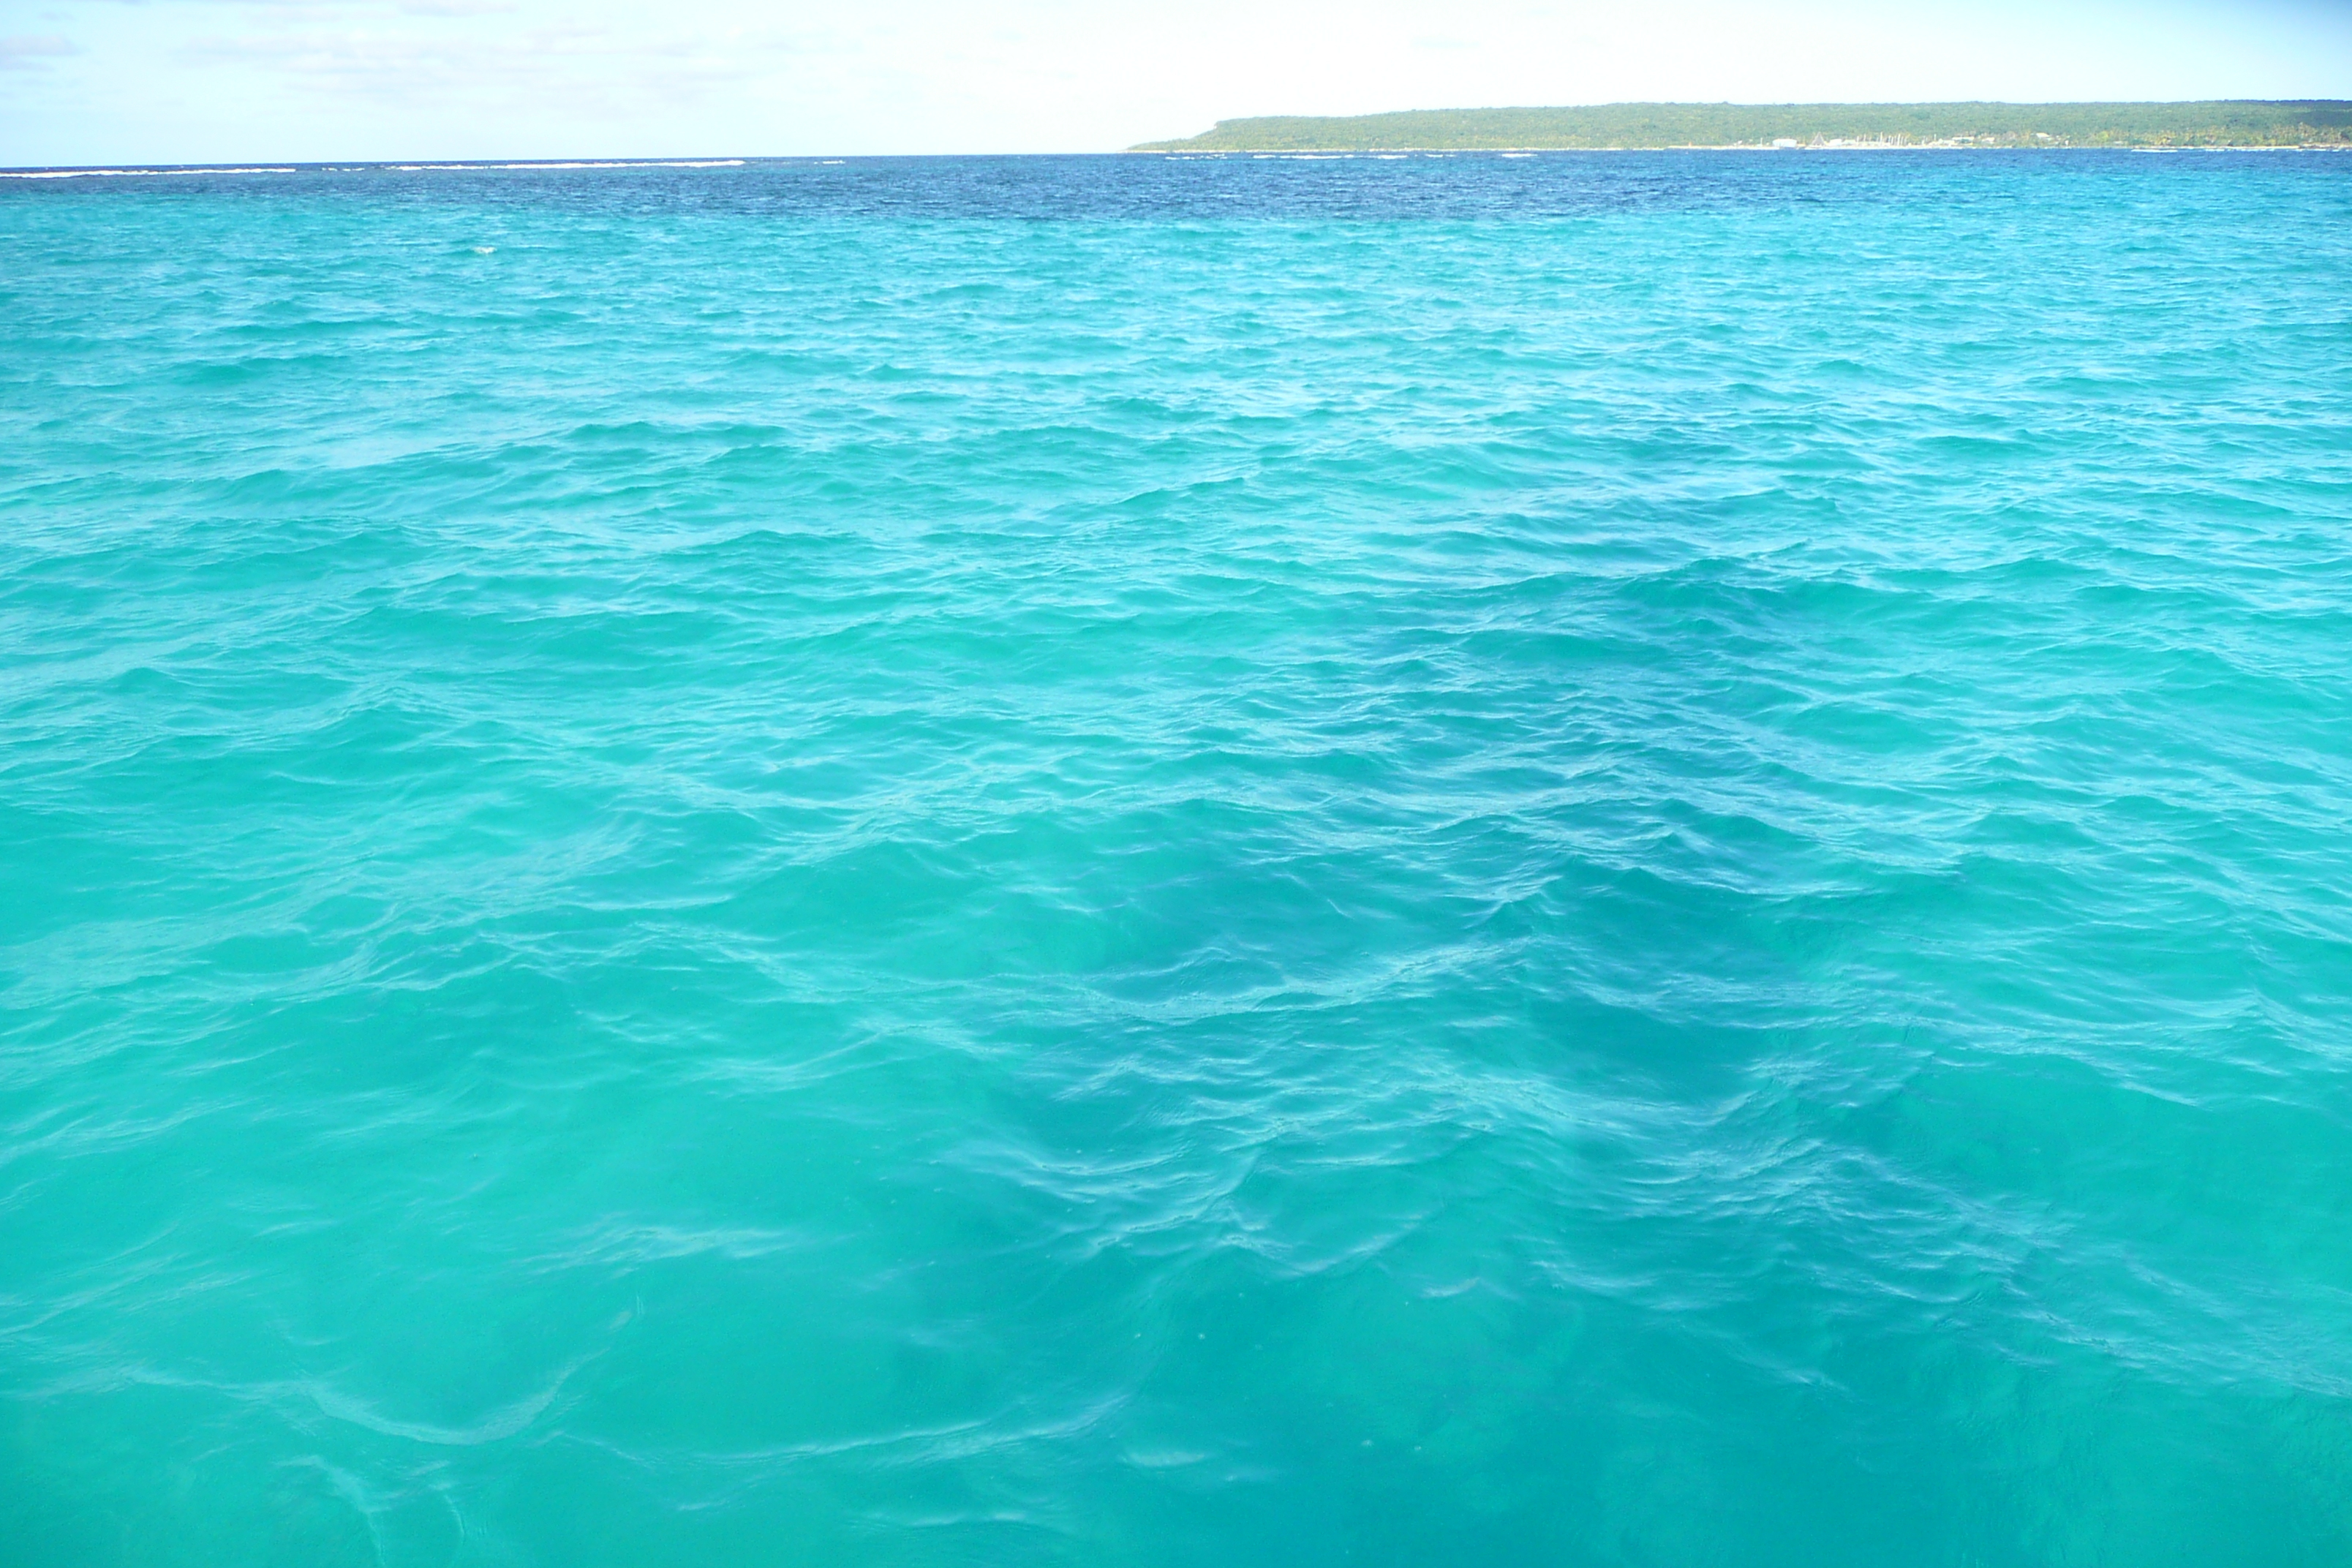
<point>1159,150</point>
<point>2217,123</point>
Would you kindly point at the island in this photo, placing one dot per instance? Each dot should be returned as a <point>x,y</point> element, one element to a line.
<point>2227,122</point>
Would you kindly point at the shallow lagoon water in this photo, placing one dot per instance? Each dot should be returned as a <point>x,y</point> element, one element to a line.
<point>1595,859</point>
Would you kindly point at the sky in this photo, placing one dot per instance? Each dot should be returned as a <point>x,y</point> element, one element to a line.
<point>124,81</point>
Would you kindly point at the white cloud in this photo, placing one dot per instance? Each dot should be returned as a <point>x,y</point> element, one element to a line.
<point>34,52</point>
<point>552,66</point>
<point>457,7</point>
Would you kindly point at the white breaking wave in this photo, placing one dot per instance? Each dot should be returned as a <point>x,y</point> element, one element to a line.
<point>363,169</point>
<point>642,164</point>
<point>126,174</point>
<point>583,164</point>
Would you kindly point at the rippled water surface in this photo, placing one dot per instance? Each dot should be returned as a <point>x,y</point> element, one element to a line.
<point>1634,861</point>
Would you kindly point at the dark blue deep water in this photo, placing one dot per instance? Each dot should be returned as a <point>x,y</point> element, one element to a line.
<point>1637,860</point>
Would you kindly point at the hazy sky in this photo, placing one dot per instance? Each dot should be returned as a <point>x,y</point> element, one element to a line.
<point>101,82</point>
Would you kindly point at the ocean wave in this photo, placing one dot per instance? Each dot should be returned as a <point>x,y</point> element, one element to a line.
<point>133,173</point>
<point>570,165</point>
<point>1407,861</point>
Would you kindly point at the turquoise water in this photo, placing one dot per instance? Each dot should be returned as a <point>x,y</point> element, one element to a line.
<point>1576,861</point>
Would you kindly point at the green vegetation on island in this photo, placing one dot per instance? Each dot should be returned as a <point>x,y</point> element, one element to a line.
<point>2240,122</point>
